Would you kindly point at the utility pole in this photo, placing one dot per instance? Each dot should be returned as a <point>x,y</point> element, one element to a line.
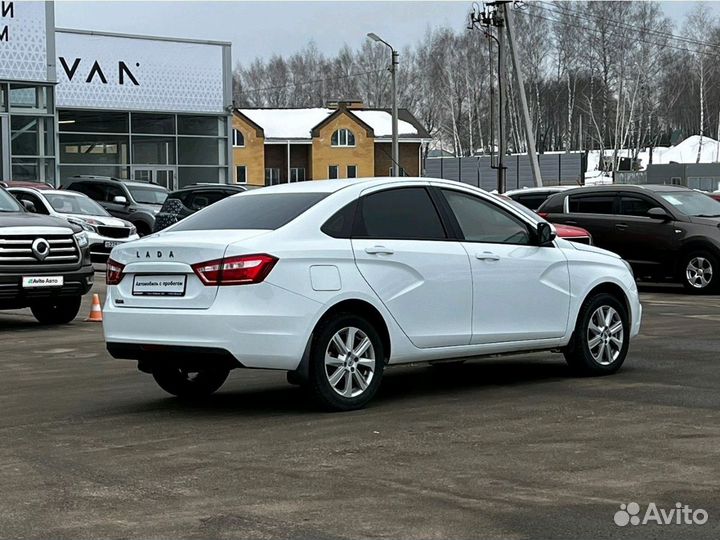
<point>494,18</point>
<point>393,75</point>
<point>529,134</point>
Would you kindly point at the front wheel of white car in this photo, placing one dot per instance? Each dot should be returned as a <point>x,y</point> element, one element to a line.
<point>346,363</point>
<point>189,384</point>
<point>602,337</point>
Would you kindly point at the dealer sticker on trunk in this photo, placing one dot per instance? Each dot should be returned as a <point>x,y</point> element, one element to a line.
<point>170,285</point>
<point>42,281</point>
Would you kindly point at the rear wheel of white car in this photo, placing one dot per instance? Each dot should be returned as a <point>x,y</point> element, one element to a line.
<point>602,336</point>
<point>698,272</point>
<point>57,311</point>
<point>189,383</point>
<point>346,363</point>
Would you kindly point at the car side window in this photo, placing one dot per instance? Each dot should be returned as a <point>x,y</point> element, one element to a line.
<point>112,192</point>
<point>340,225</point>
<point>200,199</point>
<point>635,206</point>
<point>482,221</point>
<point>40,207</point>
<point>592,204</point>
<point>531,201</point>
<point>400,214</point>
<point>95,192</point>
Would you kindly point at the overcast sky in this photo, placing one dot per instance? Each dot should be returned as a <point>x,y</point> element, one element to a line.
<point>264,28</point>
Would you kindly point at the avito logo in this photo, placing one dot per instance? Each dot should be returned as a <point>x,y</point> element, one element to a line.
<point>629,514</point>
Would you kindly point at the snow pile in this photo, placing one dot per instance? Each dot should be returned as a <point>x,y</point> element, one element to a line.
<point>687,151</point>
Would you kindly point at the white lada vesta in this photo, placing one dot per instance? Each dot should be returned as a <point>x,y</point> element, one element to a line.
<point>333,281</point>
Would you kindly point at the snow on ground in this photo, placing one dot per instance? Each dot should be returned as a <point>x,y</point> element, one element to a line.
<point>684,152</point>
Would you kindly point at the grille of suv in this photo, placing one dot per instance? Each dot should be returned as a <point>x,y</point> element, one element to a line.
<point>17,249</point>
<point>113,232</point>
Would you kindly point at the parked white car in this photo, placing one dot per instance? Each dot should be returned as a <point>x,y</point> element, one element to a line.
<point>104,232</point>
<point>332,281</point>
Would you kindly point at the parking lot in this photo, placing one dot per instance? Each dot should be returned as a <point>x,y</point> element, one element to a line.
<point>510,448</point>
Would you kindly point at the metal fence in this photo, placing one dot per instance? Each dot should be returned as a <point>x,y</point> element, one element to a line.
<point>555,169</point>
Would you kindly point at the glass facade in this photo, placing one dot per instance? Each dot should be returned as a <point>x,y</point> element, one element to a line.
<point>171,149</point>
<point>27,132</point>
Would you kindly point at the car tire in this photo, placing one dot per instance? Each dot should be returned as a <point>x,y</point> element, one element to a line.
<point>601,339</point>
<point>57,311</point>
<point>342,382</point>
<point>699,272</point>
<point>189,384</point>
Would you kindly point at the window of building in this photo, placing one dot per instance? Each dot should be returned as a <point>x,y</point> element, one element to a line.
<point>297,174</point>
<point>401,171</point>
<point>238,138</point>
<point>352,171</point>
<point>272,176</point>
<point>343,137</point>
<point>241,174</point>
<point>153,123</point>
<point>406,213</point>
<point>333,172</point>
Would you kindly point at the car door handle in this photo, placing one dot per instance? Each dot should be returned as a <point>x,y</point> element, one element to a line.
<point>487,256</point>
<point>378,250</point>
<point>621,226</point>
<point>570,222</point>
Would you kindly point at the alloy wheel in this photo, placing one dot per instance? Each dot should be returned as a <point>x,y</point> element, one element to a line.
<point>350,362</point>
<point>699,272</point>
<point>605,335</point>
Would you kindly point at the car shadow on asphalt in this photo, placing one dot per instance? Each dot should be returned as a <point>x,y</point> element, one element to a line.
<point>400,384</point>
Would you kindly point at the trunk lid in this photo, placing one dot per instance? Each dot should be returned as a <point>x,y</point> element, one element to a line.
<point>158,268</point>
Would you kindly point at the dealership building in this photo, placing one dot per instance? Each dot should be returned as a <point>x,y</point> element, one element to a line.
<point>91,103</point>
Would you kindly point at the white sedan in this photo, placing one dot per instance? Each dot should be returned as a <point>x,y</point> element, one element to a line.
<point>333,281</point>
<point>104,231</point>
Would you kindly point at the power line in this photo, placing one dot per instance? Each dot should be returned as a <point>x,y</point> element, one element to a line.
<point>562,10</point>
<point>314,81</point>
<point>596,31</point>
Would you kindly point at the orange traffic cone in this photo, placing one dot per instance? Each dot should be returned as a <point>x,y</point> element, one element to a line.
<point>95,310</point>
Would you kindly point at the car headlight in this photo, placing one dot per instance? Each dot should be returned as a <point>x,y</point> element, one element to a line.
<point>133,230</point>
<point>82,239</point>
<point>83,224</point>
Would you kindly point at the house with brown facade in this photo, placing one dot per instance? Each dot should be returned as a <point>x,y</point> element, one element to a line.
<point>344,140</point>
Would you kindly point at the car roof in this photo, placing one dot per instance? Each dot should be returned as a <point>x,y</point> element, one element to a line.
<point>539,189</point>
<point>109,180</point>
<point>331,186</point>
<point>205,187</point>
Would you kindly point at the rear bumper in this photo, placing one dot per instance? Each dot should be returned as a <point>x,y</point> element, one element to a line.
<point>261,326</point>
<point>13,296</point>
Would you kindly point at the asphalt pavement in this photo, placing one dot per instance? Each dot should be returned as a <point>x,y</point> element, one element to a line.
<point>500,448</point>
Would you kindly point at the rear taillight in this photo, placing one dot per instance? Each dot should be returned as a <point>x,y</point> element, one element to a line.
<point>543,215</point>
<point>113,272</point>
<point>235,270</point>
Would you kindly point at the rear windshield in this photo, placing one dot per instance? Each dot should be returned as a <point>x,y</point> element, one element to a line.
<point>270,211</point>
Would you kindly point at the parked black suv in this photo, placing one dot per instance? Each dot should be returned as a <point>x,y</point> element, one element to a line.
<point>188,200</point>
<point>44,263</point>
<point>664,232</point>
<point>136,202</point>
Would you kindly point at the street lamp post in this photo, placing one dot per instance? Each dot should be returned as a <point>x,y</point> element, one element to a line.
<point>393,72</point>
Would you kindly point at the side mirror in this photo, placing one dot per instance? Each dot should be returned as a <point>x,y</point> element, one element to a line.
<point>119,199</point>
<point>545,233</point>
<point>29,206</point>
<point>659,213</point>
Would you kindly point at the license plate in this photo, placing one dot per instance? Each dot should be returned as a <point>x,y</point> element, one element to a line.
<point>32,282</point>
<point>112,243</point>
<point>168,285</point>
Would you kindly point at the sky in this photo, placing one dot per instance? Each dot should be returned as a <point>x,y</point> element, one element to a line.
<point>261,29</point>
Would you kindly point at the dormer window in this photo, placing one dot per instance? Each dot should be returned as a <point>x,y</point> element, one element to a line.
<point>343,137</point>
